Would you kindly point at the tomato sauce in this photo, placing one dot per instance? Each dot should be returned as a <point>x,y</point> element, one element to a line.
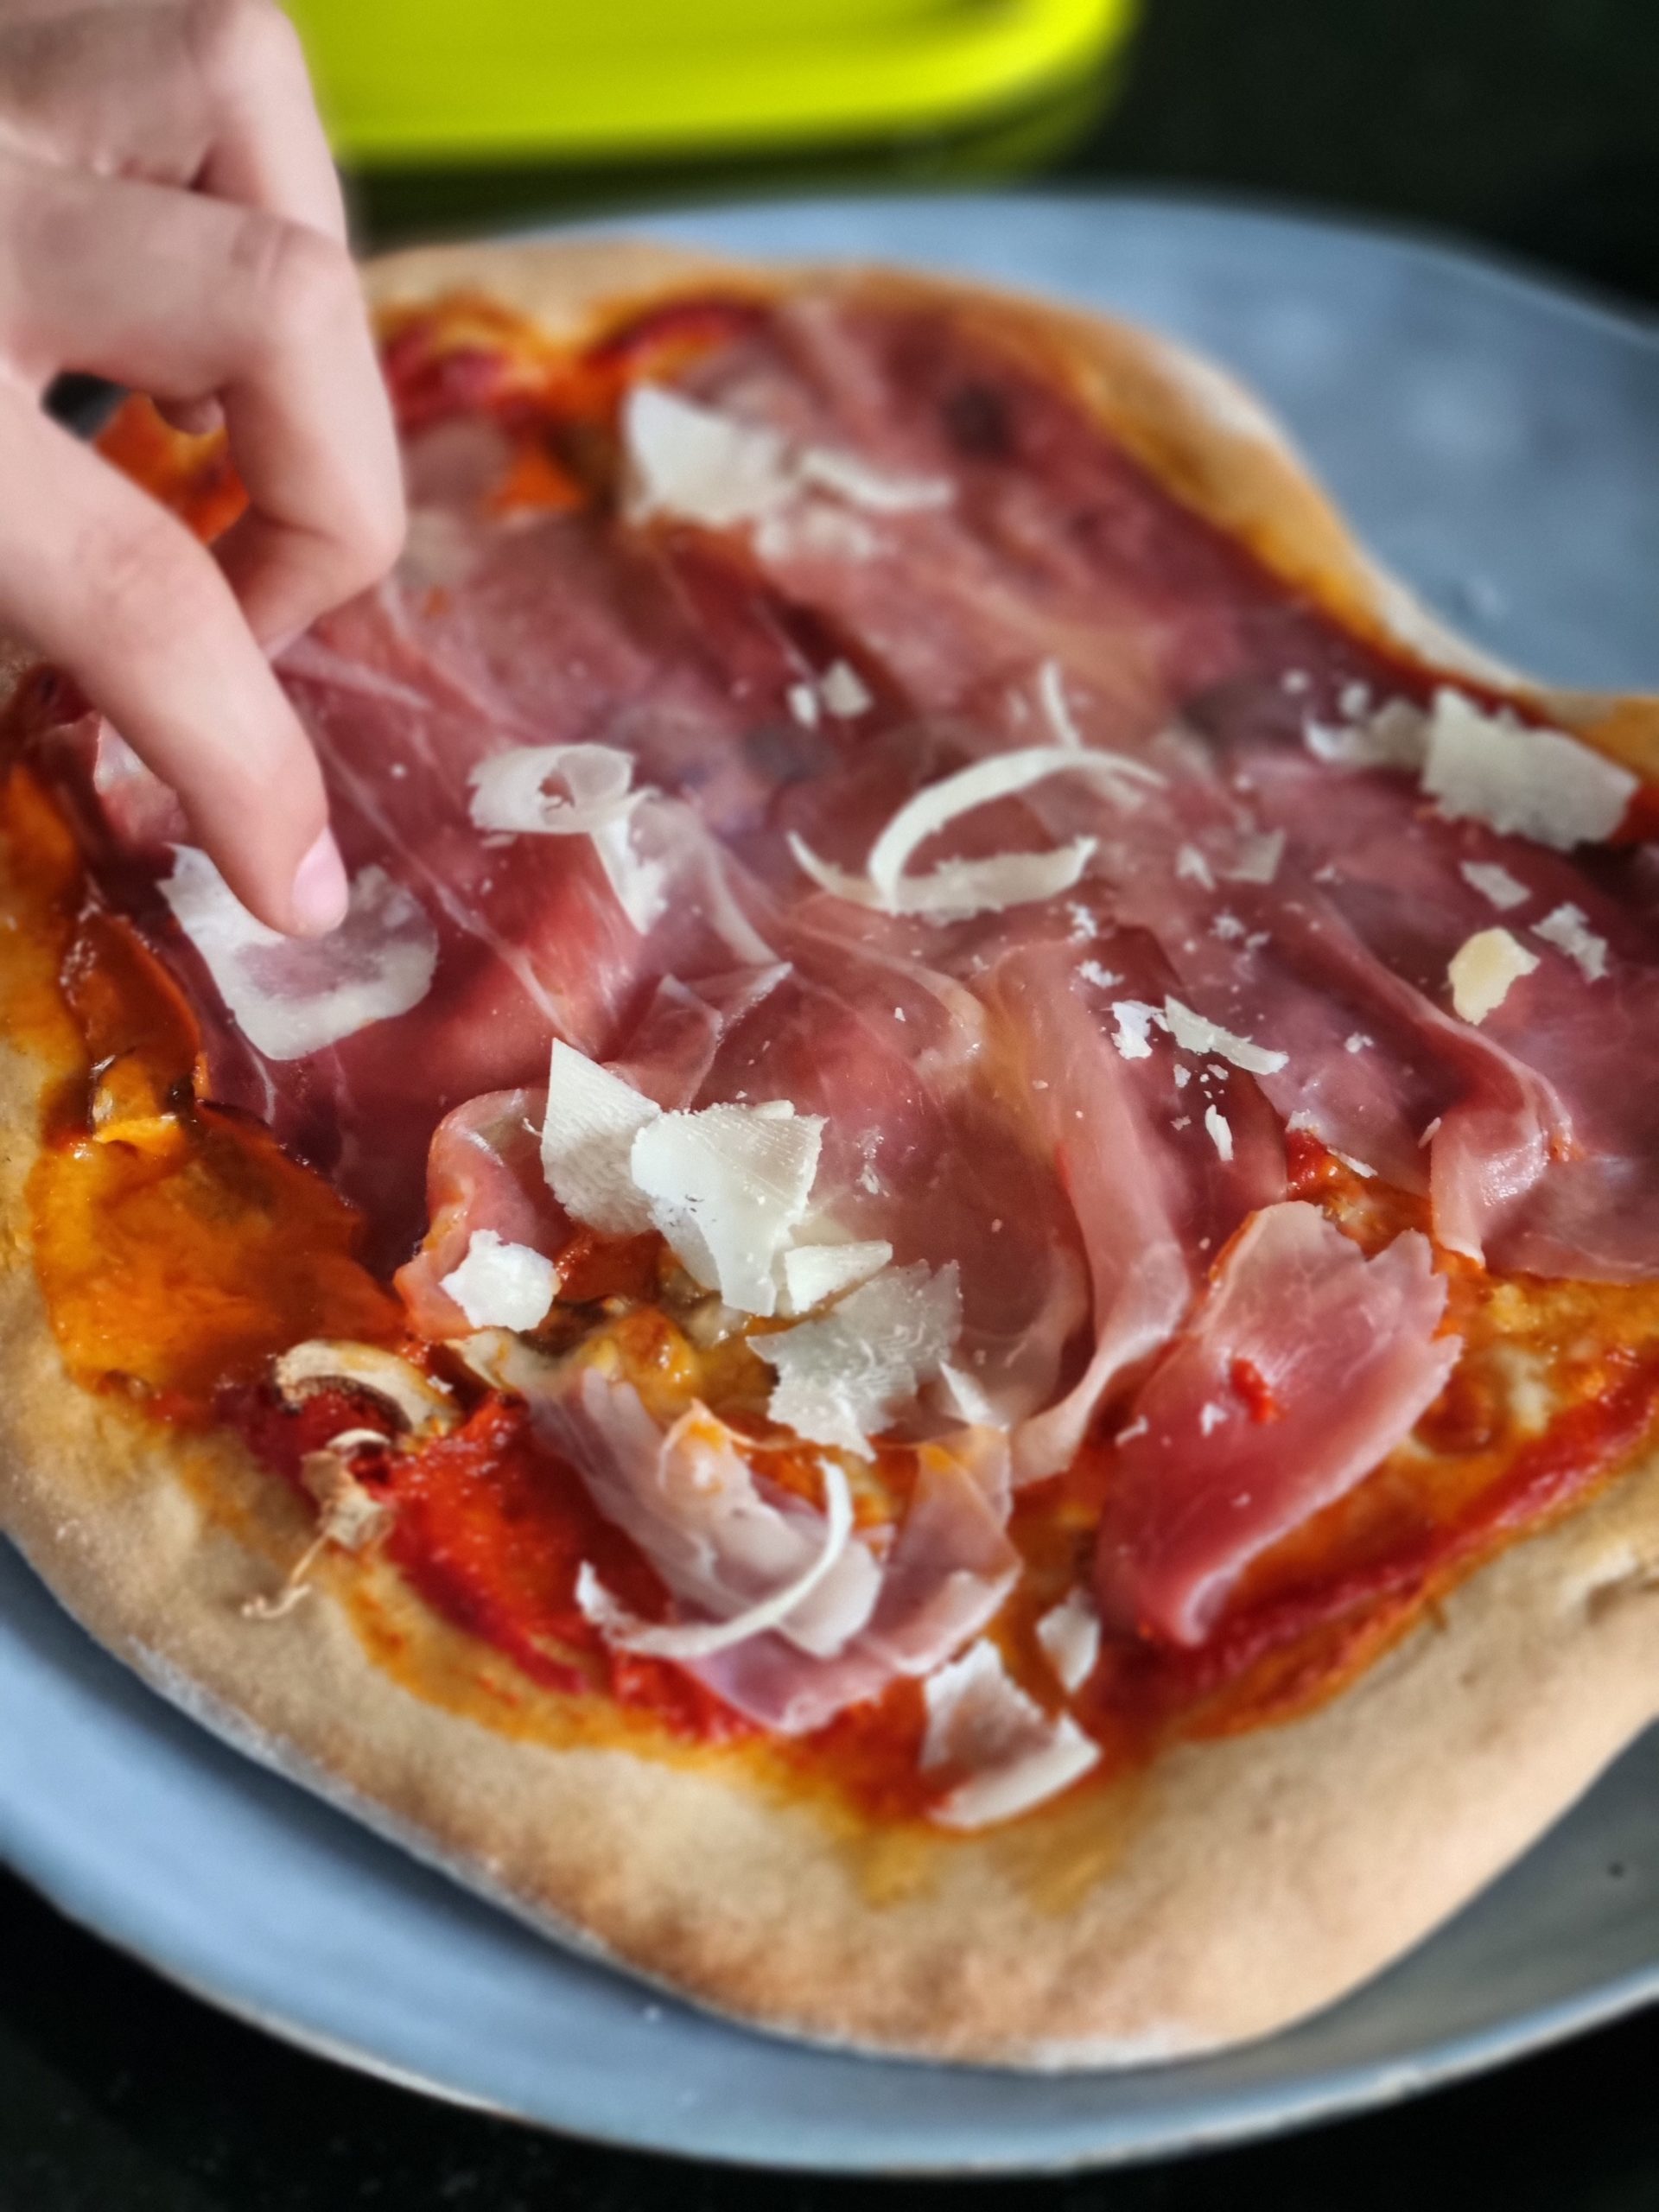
<point>178,1250</point>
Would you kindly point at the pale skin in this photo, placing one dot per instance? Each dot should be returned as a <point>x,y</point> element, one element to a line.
<point>170,218</point>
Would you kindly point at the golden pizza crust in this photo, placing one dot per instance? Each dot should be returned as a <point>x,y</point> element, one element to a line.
<point>1238,1885</point>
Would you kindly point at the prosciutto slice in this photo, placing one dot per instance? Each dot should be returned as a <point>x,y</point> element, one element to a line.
<point>721,1536</point>
<point>1306,1365</point>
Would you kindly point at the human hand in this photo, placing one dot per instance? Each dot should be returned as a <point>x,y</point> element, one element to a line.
<point>170,219</point>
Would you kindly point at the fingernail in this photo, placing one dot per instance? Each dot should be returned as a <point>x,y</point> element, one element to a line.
<point>318,903</point>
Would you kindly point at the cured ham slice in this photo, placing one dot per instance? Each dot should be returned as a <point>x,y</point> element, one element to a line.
<point>484,1172</point>
<point>1304,1366</point>
<point>722,1537</point>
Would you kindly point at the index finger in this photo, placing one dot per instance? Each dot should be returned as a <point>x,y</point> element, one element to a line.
<point>108,585</point>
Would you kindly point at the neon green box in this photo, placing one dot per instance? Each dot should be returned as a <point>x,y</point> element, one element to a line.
<point>409,81</point>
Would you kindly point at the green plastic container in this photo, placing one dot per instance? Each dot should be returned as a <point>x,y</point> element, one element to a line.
<point>467,81</point>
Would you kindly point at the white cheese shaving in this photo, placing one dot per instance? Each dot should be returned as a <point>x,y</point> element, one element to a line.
<point>965,1400</point>
<point>844,691</point>
<point>1567,929</point>
<point>726,1187</point>
<point>843,1377</point>
<point>1396,736</point>
<point>501,1286</point>
<point>324,1363</point>
<point>1051,693</point>
<point>1482,968</point>
<point>1259,856</point>
<point>1357,1042</point>
<point>706,467</point>
<point>1531,783</point>
<point>702,1639</point>
<point>879,492</point>
<point>1069,1636</point>
<point>292,997</point>
<point>1221,1130</point>
<point>1211,1418</point>
<point>698,464</point>
<point>813,1274</point>
<point>510,795</point>
<point>1135,1019</point>
<point>1193,1033</point>
<point>958,888</point>
<point>509,790</point>
<point>803,703</point>
<point>1355,1166</point>
<point>1012,1755</point>
<point>593,1118</point>
<point>1495,883</point>
<point>1095,972</point>
<point>1192,868</point>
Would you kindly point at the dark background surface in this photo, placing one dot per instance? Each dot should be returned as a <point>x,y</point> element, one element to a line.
<point>1530,124</point>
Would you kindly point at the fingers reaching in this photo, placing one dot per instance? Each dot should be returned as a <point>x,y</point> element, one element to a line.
<point>112,588</point>
<point>170,218</point>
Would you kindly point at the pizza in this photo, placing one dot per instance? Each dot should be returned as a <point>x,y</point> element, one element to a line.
<point>940,1321</point>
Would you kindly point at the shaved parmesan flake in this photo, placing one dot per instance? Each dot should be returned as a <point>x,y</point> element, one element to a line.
<point>1192,868</point>
<point>956,889</point>
<point>1135,1019</point>
<point>326,1363</point>
<point>510,789</point>
<point>1193,1033</point>
<point>702,1639</point>
<point>706,467</point>
<point>1069,1636</point>
<point>1093,971</point>
<point>726,1187</point>
<point>1258,858</point>
<point>1567,930</point>
<point>815,1272</point>
<point>1396,736</point>
<point>843,692</point>
<point>877,491</point>
<point>1211,1418</point>
<point>982,1724</point>
<point>698,464</point>
<point>501,1286</point>
<point>803,703</point>
<point>1051,692</point>
<point>293,996</point>
<point>1531,783</point>
<point>593,1118</point>
<point>637,884</point>
<point>1495,883</point>
<point>844,1377</point>
<point>963,1398</point>
<point>1354,1167</point>
<point>1357,1042</point>
<point>1221,1131</point>
<point>1482,968</point>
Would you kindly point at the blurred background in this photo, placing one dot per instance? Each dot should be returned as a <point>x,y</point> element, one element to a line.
<point>1531,126</point>
<point>1534,123</point>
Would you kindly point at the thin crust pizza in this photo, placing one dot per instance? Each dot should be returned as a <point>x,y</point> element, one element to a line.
<point>942,1319</point>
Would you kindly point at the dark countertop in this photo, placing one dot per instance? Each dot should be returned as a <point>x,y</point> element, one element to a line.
<point>1530,124</point>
